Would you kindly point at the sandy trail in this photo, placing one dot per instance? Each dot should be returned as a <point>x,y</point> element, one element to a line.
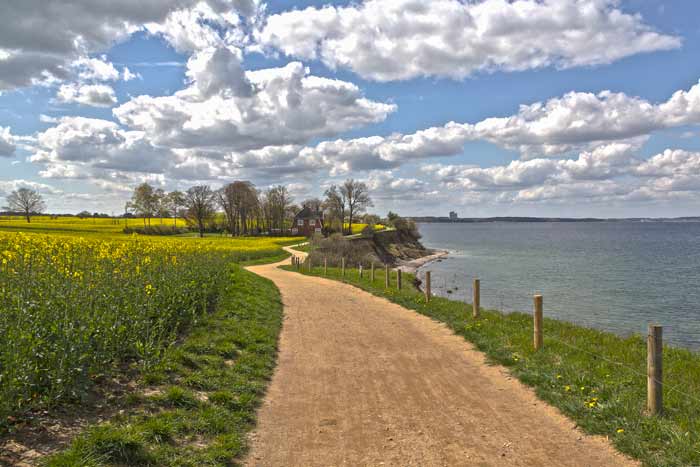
<point>361,381</point>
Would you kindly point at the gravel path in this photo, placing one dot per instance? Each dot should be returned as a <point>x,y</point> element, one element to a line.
<point>361,381</point>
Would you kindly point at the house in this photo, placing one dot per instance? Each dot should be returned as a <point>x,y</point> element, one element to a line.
<point>307,222</point>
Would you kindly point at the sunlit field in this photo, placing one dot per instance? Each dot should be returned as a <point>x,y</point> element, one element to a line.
<point>86,225</point>
<point>79,299</point>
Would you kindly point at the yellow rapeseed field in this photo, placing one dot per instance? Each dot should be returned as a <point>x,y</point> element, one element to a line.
<point>74,307</point>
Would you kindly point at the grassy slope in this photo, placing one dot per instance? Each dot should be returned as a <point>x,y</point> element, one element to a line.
<point>596,378</point>
<point>207,389</point>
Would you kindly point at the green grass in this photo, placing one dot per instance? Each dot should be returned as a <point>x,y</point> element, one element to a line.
<point>596,378</point>
<point>209,388</point>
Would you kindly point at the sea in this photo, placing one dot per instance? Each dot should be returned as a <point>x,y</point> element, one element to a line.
<point>616,276</point>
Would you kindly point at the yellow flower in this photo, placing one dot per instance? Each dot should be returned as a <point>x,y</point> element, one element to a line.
<point>149,289</point>
<point>558,376</point>
<point>620,430</point>
<point>567,388</point>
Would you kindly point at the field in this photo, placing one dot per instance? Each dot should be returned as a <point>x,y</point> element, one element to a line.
<point>598,379</point>
<point>88,302</point>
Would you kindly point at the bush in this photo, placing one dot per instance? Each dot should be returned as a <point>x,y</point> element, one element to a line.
<point>159,229</point>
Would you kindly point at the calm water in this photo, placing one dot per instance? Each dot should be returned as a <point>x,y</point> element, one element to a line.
<point>616,276</point>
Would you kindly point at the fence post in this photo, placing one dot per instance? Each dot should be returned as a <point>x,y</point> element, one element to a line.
<point>398,279</point>
<point>387,279</point>
<point>325,266</point>
<point>538,322</point>
<point>342,267</point>
<point>359,267</point>
<point>427,286</point>
<point>310,267</point>
<point>371,276</point>
<point>476,302</point>
<point>655,405</point>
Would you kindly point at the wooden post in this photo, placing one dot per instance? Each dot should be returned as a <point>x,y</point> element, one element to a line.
<point>476,302</point>
<point>655,404</point>
<point>398,279</point>
<point>538,322</point>
<point>371,276</point>
<point>387,277</point>
<point>342,267</point>
<point>325,266</point>
<point>427,286</point>
<point>359,267</point>
<point>309,260</point>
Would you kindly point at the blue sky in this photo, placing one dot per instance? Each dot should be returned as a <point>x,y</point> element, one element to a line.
<point>206,99</point>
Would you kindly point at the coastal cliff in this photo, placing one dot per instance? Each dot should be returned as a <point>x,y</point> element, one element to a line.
<point>392,247</point>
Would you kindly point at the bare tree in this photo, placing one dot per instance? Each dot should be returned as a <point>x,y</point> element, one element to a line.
<point>173,201</point>
<point>356,196</point>
<point>239,201</point>
<point>26,201</point>
<point>314,204</point>
<point>144,202</point>
<point>199,201</point>
<point>277,202</point>
<point>334,206</point>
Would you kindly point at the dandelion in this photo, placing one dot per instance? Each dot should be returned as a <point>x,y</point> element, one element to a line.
<point>620,430</point>
<point>567,388</point>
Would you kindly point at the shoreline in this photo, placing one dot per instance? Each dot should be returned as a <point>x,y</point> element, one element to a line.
<point>411,266</point>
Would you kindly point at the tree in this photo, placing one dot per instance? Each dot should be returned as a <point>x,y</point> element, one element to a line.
<point>239,200</point>
<point>278,201</point>
<point>314,204</point>
<point>26,201</point>
<point>356,196</point>
<point>159,204</point>
<point>334,205</point>
<point>83,214</point>
<point>199,203</point>
<point>144,202</point>
<point>173,201</point>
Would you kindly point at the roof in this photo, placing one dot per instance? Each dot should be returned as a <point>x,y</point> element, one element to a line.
<point>307,213</point>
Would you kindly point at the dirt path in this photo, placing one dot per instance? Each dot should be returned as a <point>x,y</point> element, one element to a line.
<point>361,381</point>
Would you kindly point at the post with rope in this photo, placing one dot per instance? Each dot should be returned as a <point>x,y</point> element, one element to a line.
<point>427,286</point>
<point>387,278</point>
<point>655,404</point>
<point>371,275</point>
<point>342,267</point>
<point>359,269</point>
<point>538,338</point>
<point>476,298</point>
<point>398,279</point>
<point>325,266</point>
<point>308,258</point>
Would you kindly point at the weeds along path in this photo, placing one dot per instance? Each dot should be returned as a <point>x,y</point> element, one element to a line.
<point>362,381</point>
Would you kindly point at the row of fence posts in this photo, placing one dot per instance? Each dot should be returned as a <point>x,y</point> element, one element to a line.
<point>654,338</point>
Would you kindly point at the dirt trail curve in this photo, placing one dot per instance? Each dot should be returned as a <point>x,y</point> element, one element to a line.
<point>361,381</point>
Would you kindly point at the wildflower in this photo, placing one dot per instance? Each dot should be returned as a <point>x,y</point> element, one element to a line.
<point>620,430</point>
<point>567,388</point>
<point>149,289</point>
<point>558,376</point>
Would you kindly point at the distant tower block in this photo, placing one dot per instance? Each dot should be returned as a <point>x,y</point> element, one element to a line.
<point>453,216</point>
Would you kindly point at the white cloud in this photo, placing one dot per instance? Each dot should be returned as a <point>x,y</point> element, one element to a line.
<point>402,39</point>
<point>78,145</point>
<point>286,106</point>
<point>575,122</point>
<point>39,40</point>
<point>7,143</point>
<point>96,95</point>
<point>98,69</point>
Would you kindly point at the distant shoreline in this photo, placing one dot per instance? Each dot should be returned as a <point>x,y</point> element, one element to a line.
<point>476,220</point>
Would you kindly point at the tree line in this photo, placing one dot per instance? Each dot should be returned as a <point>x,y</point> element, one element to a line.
<point>246,210</point>
<point>241,209</point>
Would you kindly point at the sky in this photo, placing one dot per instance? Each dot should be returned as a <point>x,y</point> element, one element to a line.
<point>571,108</point>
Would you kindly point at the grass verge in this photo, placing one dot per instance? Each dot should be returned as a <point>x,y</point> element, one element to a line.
<point>596,378</point>
<point>196,406</point>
